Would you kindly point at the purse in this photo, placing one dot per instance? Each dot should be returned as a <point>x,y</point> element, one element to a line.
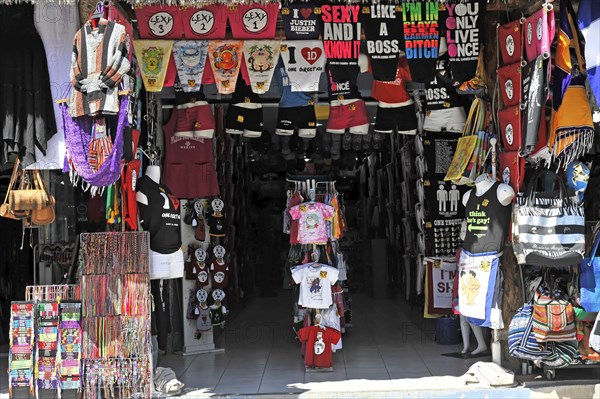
<point>553,316</point>
<point>46,215</point>
<point>465,156</point>
<point>5,207</point>
<point>521,341</point>
<point>549,226</point>
<point>27,197</point>
<point>589,279</point>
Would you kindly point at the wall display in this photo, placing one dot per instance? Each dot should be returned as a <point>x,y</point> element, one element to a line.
<point>341,39</point>
<point>153,57</point>
<point>159,22</point>
<point>261,57</point>
<point>70,345</point>
<point>21,344</point>
<point>253,20</point>
<point>206,22</point>
<point>382,24</point>
<point>225,58</point>
<point>304,62</point>
<point>301,21</point>
<point>190,60</point>
<point>47,354</point>
<point>421,38</point>
<point>464,34</point>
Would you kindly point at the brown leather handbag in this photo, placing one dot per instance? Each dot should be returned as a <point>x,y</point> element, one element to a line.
<point>27,197</point>
<point>5,209</point>
<point>46,215</point>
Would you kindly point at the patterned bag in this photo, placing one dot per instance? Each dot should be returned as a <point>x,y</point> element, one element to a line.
<point>521,341</point>
<point>553,316</point>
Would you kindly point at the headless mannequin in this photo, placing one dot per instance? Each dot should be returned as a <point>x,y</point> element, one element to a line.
<point>153,172</point>
<point>505,196</point>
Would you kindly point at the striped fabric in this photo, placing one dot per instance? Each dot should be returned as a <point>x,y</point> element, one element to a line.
<point>553,317</point>
<point>550,228</point>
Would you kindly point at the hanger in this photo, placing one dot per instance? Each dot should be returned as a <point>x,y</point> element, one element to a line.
<point>101,12</point>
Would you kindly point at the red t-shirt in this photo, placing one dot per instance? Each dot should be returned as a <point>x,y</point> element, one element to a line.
<point>159,22</point>
<point>254,20</point>
<point>318,345</point>
<point>393,92</point>
<point>207,22</point>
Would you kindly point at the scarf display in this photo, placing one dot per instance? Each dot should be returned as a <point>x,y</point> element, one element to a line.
<point>572,130</point>
<point>225,58</point>
<point>588,17</point>
<point>190,59</point>
<point>261,58</point>
<point>78,140</point>
<point>153,56</point>
<point>21,343</point>
<point>115,287</point>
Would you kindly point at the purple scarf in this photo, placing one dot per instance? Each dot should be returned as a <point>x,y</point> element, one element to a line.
<point>78,138</point>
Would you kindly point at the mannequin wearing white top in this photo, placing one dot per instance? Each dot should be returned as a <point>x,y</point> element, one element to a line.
<point>505,196</point>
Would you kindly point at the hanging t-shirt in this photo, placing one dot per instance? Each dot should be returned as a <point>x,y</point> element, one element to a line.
<point>190,59</point>
<point>421,38</point>
<point>382,24</point>
<point>289,98</point>
<point>159,22</point>
<point>225,58</point>
<point>439,91</point>
<point>393,92</point>
<point>487,222</point>
<point>160,217</point>
<point>301,21</point>
<point>341,39</point>
<point>464,32</point>
<point>304,62</point>
<point>206,22</point>
<point>254,20</point>
<point>315,280</point>
<point>312,216</point>
<point>200,269</point>
<point>219,274</point>
<point>261,57</point>
<point>294,225</point>
<point>318,345</point>
<point>347,90</point>
<point>217,224</point>
<point>153,58</point>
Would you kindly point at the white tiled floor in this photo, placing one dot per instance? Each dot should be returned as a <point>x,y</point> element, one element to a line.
<point>382,351</point>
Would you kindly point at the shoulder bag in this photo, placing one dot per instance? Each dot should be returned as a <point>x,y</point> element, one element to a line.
<point>45,215</point>
<point>553,316</point>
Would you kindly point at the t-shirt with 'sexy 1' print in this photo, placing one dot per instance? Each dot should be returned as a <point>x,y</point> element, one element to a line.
<point>312,216</point>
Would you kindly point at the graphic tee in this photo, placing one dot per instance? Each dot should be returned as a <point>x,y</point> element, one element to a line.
<point>216,224</point>
<point>301,21</point>
<point>421,38</point>
<point>254,20</point>
<point>394,91</point>
<point>347,90</point>
<point>190,59</point>
<point>304,61</point>
<point>318,341</point>
<point>315,280</point>
<point>341,39</point>
<point>202,275</point>
<point>225,57</point>
<point>312,217</point>
<point>159,22</point>
<point>219,274</point>
<point>261,58</point>
<point>382,24</point>
<point>439,91</point>
<point>207,22</point>
<point>464,31</point>
<point>290,98</point>
<point>153,57</point>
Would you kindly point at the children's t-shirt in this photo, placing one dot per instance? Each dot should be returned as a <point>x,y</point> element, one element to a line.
<point>312,216</point>
<point>315,281</point>
<point>318,345</point>
<point>216,225</point>
<point>219,274</point>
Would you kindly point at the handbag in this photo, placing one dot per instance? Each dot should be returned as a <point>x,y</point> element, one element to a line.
<point>465,156</point>
<point>5,207</point>
<point>46,215</point>
<point>550,226</point>
<point>553,316</point>
<point>27,197</point>
<point>589,279</point>
<point>521,340</point>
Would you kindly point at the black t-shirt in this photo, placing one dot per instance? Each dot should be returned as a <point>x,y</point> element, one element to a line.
<point>341,39</point>
<point>487,222</point>
<point>464,28</point>
<point>421,38</point>
<point>161,217</point>
<point>347,90</point>
<point>382,24</point>
<point>440,93</point>
<point>243,93</point>
<point>301,21</point>
<point>217,225</point>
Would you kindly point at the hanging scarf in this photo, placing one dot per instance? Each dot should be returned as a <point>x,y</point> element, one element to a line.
<point>78,141</point>
<point>572,130</point>
<point>190,58</point>
<point>225,58</point>
<point>261,57</point>
<point>153,56</point>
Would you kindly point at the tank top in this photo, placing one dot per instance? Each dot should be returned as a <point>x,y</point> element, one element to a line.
<point>189,167</point>
<point>161,217</point>
<point>487,222</point>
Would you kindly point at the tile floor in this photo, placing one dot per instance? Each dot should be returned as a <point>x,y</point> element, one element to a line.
<point>382,351</point>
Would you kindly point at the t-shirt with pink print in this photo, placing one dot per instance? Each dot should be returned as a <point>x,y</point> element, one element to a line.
<point>312,225</point>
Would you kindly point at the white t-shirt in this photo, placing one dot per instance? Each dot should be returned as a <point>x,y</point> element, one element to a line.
<point>304,61</point>
<point>315,281</point>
